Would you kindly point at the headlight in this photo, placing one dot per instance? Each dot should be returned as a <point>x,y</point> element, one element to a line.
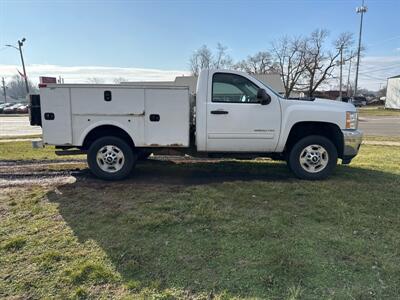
<point>351,120</point>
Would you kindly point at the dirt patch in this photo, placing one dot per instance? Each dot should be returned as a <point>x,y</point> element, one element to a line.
<point>42,180</point>
<point>23,173</point>
<point>35,162</point>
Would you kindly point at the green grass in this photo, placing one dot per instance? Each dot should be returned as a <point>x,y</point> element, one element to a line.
<point>378,111</point>
<point>24,151</point>
<point>244,230</point>
<point>381,138</point>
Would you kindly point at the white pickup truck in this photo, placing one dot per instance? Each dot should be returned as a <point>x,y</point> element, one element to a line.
<point>232,114</point>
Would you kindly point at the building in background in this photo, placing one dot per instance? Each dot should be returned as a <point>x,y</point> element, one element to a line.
<point>393,92</point>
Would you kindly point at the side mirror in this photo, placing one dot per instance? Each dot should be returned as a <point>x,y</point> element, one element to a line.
<point>263,97</point>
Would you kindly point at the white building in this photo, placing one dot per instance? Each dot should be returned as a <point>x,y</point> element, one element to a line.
<point>393,92</point>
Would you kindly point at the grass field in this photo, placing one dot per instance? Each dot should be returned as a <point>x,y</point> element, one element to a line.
<point>228,230</point>
<point>378,111</point>
<point>376,138</point>
<point>23,151</point>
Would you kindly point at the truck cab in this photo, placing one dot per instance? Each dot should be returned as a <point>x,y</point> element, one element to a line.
<point>233,114</point>
<point>236,113</point>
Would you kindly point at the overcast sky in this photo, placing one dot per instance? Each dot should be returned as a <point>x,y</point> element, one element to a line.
<point>153,40</point>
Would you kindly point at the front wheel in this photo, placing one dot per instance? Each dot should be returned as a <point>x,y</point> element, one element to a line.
<point>313,158</point>
<point>111,158</point>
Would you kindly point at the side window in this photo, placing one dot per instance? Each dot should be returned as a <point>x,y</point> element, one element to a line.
<point>232,88</point>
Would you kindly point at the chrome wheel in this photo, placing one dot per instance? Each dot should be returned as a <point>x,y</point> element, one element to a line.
<point>110,158</point>
<point>314,158</point>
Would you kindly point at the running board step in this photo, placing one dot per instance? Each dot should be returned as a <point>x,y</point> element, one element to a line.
<point>70,152</point>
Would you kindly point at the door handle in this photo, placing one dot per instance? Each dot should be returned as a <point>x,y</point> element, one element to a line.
<point>219,112</point>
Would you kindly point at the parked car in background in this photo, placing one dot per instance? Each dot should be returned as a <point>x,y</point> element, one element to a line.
<point>343,99</point>
<point>359,101</point>
<point>23,109</point>
<point>4,105</point>
<point>12,109</point>
<point>376,101</point>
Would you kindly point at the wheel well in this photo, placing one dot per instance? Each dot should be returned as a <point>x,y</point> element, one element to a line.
<point>106,130</point>
<point>328,130</point>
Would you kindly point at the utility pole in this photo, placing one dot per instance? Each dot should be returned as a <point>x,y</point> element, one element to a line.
<point>4,89</point>
<point>20,44</point>
<point>348,76</point>
<point>360,10</point>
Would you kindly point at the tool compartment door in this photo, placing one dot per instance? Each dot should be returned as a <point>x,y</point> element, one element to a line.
<point>167,117</point>
<point>108,105</point>
<point>56,116</point>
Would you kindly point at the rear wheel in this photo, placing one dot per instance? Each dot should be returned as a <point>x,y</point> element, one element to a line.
<point>313,158</point>
<point>111,158</point>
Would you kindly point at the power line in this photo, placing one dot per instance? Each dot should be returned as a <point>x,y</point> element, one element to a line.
<point>372,77</point>
<point>381,69</point>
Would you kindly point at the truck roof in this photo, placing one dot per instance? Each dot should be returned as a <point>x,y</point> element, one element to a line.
<point>127,86</point>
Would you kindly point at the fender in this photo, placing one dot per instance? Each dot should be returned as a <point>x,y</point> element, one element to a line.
<point>98,124</point>
<point>294,113</point>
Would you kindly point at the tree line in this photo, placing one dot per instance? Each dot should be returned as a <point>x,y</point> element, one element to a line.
<point>303,62</point>
<point>16,88</point>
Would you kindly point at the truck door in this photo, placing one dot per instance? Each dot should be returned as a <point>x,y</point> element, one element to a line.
<point>236,120</point>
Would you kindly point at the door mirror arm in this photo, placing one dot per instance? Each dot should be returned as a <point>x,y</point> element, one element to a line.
<point>263,96</point>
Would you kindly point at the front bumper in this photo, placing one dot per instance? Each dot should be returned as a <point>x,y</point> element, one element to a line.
<point>352,141</point>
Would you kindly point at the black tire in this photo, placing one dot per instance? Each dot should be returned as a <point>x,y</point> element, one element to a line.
<point>125,164</point>
<point>300,169</point>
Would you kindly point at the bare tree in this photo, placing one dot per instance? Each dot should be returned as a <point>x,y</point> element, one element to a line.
<point>289,54</point>
<point>118,80</point>
<point>260,63</point>
<point>222,59</point>
<point>16,87</point>
<point>319,62</point>
<point>304,63</point>
<point>241,65</point>
<point>95,80</point>
<point>201,59</point>
<point>381,92</point>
